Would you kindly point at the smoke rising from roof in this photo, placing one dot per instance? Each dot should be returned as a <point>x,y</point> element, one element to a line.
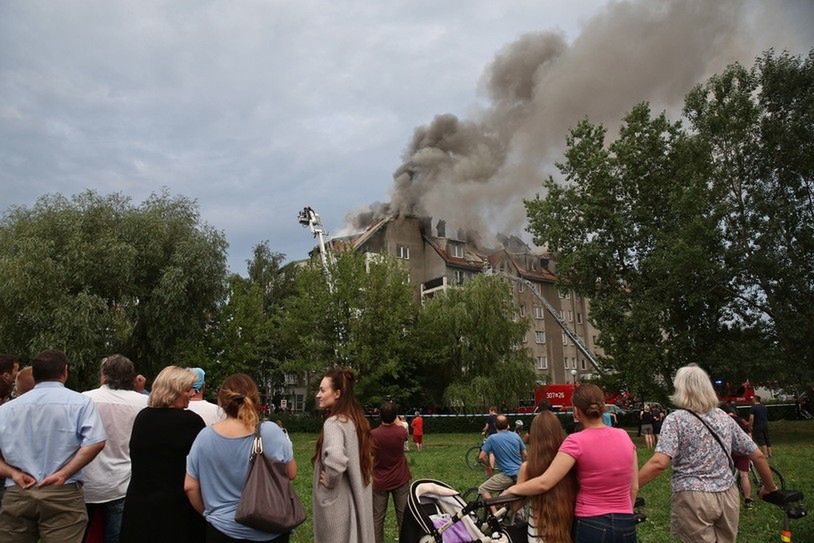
<point>475,172</point>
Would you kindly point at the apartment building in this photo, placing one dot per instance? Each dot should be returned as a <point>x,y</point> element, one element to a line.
<point>437,259</point>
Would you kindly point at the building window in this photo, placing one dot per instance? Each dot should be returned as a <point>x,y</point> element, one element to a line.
<point>579,318</point>
<point>582,364</point>
<point>290,378</point>
<point>569,316</point>
<point>542,363</point>
<point>522,310</point>
<point>539,312</point>
<point>457,250</point>
<point>564,339</point>
<point>402,251</point>
<point>539,336</point>
<point>593,339</point>
<point>459,277</point>
<point>565,295</point>
<point>536,287</point>
<point>574,363</point>
<point>520,287</point>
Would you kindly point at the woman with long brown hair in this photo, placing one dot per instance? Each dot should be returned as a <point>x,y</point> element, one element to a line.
<point>219,461</point>
<point>606,468</point>
<point>343,465</point>
<point>552,513</point>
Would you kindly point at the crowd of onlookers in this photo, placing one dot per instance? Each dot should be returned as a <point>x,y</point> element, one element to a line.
<point>167,465</point>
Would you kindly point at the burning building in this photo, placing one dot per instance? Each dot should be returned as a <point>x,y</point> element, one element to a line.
<point>437,259</point>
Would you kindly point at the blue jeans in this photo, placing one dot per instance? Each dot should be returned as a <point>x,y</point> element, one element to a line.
<point>111,518</point>
<point>610,528</point>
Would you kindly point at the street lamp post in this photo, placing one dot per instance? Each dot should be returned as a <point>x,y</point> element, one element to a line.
<point>574,376</point>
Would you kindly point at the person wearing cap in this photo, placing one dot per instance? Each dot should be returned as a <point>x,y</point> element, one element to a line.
<point>107,476</point>
<point>208,411</point>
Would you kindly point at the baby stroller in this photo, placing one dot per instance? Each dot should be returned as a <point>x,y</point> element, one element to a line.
<point>436,513</point>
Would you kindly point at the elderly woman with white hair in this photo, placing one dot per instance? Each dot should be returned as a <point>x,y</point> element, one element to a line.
<point>698,440</point>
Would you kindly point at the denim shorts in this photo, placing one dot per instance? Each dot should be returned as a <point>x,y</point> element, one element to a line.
<point>610,528</point>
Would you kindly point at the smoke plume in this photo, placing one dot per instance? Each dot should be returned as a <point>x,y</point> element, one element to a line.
<point>476,172</point>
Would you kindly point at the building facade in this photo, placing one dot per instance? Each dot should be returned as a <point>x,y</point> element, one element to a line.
<point>436,259</point>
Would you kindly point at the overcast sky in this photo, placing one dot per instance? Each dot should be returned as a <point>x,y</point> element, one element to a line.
<point>254,108</point>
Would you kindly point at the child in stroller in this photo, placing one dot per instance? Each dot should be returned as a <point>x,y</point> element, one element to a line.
<point>436,513</point>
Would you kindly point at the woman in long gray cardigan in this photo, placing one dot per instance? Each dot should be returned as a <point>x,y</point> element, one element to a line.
<point>343,465</point>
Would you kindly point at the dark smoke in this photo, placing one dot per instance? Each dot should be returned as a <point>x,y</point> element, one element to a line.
<point>475,172</point>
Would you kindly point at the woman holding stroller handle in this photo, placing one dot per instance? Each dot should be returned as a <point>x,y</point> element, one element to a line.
<point>219,461</point>
<point>606,469</point>
<point>698,440</point>
<point>343,465</point>
<point>552,513</point>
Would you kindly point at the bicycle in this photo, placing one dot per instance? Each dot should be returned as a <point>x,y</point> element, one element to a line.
<point>755,481</point>
<point>472,456</point>
<point>790,502</point>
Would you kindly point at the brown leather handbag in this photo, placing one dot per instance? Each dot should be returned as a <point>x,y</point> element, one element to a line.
<point>268,502</point>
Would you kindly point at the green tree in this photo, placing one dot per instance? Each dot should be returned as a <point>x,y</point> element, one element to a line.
<point>695,246</point>
<point>246,337</point>
<point>364,323</point>
<point>469,347</point>
<point>93,274</point>
<point>757,127</point>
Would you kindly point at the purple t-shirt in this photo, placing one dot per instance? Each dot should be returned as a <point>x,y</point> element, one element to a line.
<point>604,463</point>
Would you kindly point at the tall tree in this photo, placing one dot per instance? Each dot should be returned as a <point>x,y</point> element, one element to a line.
<point>695,246</point>
<point>246,337</point>
<point>757,126</point>
<point>469,347</point>
<point>364,323</point>
<point>95,274</point>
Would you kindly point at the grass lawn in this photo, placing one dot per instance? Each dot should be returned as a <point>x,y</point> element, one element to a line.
<point>443,458</point>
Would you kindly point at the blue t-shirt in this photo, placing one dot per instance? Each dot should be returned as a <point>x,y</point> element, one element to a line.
<point>607,419</point>
<point>508,448</point>
<point>220,464</point>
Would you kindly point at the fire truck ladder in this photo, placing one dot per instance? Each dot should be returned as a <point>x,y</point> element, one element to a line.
<point>310,219</point>
<point>557,318</point>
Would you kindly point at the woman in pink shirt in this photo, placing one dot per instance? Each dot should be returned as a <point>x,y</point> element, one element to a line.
<point>607,472</point>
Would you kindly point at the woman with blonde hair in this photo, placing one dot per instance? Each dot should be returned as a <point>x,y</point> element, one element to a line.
<point>343,465</point>
<point>552,513</point>
<point>605,462</point>
<point>218,463</point>
<point>698,440</point>
<point>155,507</point>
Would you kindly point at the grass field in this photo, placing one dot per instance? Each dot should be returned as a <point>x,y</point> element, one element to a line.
<point>443,459</point>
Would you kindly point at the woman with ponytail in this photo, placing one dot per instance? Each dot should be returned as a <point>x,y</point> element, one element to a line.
<point>606,469</point>
<point>218,463</point>
<point>343,465</point>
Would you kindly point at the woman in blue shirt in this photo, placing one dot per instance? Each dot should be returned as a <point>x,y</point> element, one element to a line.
<point>218,462</point>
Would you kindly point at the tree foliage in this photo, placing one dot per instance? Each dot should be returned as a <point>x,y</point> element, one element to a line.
<point>468,346</point>
<point>92,275</point>
<point>364,323</point>
<point>695,245</point>
<point>246,337</point>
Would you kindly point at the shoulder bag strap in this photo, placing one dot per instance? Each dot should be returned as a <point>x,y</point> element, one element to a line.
<point>257,444</point>
<point>718,439</point>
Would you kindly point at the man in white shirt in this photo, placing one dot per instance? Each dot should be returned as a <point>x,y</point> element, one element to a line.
<point>208,411</point>
<point>107,477</point>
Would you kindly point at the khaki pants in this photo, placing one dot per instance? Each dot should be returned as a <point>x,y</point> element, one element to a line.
<point>52,514</point>
<point>706,517</point>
